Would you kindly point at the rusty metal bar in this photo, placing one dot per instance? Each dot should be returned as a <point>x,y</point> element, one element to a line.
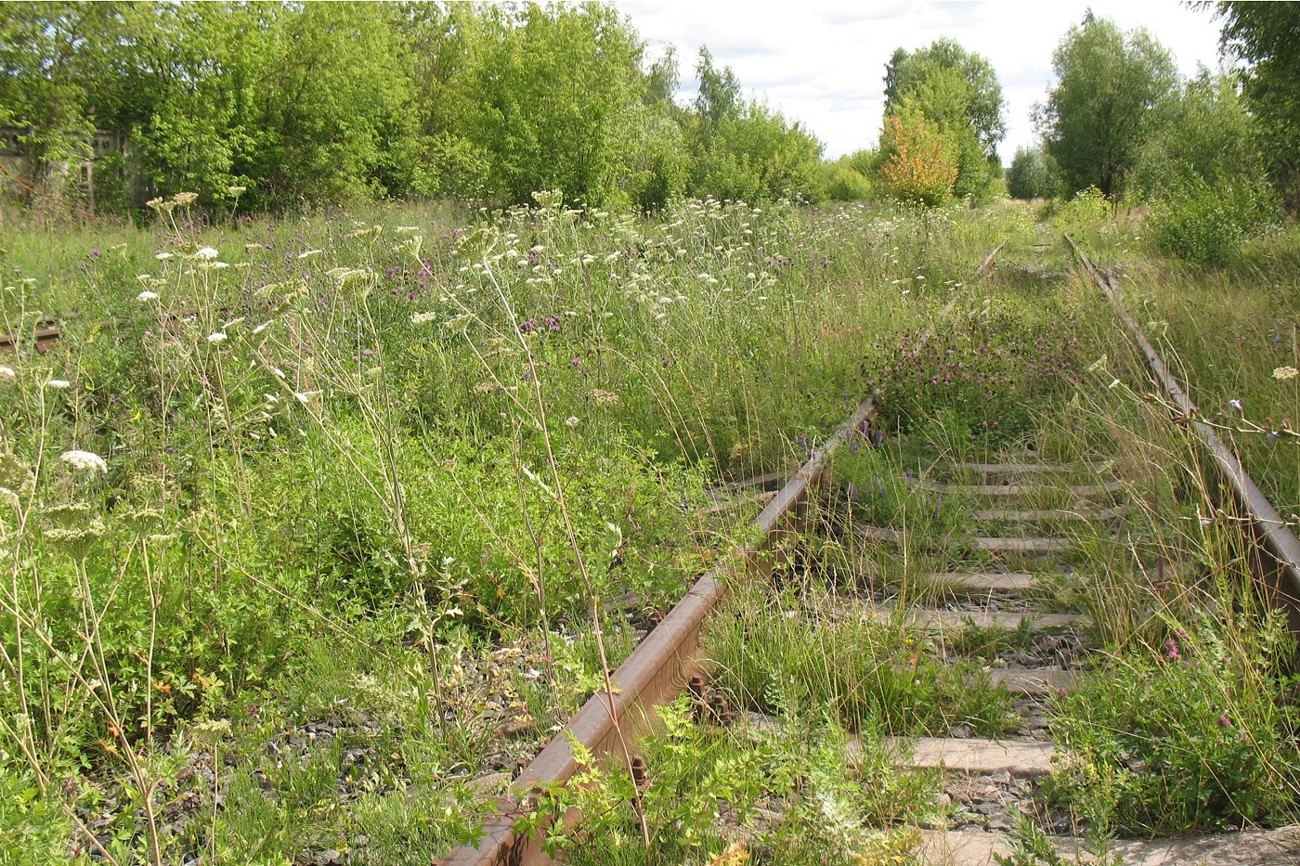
<point>661,666</point>
<point>655,672</point>
<point>1266,525</point>
<point>46,332</point>
<point>988,262</point>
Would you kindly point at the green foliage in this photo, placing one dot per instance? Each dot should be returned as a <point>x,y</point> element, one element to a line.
<point>545,98</point>
<point>1098,116</point>
<point>743,151</point>
<point>959,93</point>
<point>33,829</point>
<point>1183,737</point>
<point>845,184</point>
<point>1264,35</point>
<point>697,771</point>
<point>947,75</point>
<point>339,102</point>
<point>1208,223</point>
<point>1204,134</point>
<point>1031,175</point>
<point>756,156</point>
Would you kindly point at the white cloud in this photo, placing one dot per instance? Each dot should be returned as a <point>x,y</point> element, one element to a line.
<point>823,63</point>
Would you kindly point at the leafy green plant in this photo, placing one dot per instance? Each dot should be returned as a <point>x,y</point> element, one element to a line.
<point>829,800</point>
<point>1208,223</point>
<point>1187,736</point>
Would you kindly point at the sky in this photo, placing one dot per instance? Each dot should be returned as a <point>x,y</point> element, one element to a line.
<point>823,63</point>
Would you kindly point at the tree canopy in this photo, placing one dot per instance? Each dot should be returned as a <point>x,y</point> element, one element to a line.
<point>1266,36</point>
<point>313,102</point>
<point>1100,113</point>
<point>959,93</point>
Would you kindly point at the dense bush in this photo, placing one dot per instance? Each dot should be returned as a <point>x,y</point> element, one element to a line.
<point>845,184</point>
<point>338,102</point>
<point>919,164</point>
<point>1208,224</point>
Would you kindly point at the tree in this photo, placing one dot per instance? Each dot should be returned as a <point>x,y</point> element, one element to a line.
<point>919,163</point>
<point>1267,37</point>
<point>1031,174</point>
<point>741,149</point>
<point>547,98</point>
<point>958,92</point>
<point>979,100</point>
<point>719,93</point>
<point>1100,113</point>
<point>1204,132</point>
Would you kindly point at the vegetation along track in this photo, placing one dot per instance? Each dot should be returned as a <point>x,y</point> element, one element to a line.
<point>974,566</point>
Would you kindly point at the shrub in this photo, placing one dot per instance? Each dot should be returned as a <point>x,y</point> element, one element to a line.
<point>920,166</point>
<point>1208,225</point>
<point>845,184</point>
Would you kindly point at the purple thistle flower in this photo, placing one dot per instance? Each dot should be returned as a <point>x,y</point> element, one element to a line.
<point>527,326</point>
<point>576,362</point>
<point>1171,650</point>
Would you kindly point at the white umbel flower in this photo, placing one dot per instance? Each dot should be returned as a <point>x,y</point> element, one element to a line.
<point>217,337</point>
<point>146,296</point>
<point>84,461</point>
<point>206,253</point>
<point>58,384</point>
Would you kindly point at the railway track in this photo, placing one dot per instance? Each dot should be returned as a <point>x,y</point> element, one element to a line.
<point>1025,519</point>
<point>43,337</point>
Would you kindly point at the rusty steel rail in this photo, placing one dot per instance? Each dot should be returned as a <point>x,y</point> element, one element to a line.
<point>655,673</point>
<point>661,665</point>
<point>987,264</point>
<point>1281,570</point>
<point>45,334</point>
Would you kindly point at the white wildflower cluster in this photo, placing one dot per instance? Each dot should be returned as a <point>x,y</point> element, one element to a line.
<point>84,461</point>
<point>1284,373</point>
<point>8,374</point>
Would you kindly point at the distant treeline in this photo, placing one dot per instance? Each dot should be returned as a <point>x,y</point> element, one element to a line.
<point>301,103</point>
<point>313,102</point>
